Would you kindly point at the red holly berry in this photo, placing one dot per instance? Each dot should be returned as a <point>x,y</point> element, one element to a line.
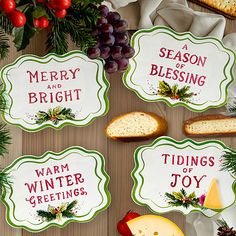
<point>60,13</point>
<point>122,226</point>
<point>17,18</point>
<point>8,5</point>
<point>42,1</point>
<point>36,22</point>
<point>63,4</point>
<point>52,4</point>
<point>43,22</point>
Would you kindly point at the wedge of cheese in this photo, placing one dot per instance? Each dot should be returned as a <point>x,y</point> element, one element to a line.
<point>213,199</point>
<point>152,225</point>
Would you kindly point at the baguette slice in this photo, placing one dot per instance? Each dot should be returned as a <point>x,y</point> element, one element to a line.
<point>210,125</point>
<point>136,126</point>
<point>224,7</point>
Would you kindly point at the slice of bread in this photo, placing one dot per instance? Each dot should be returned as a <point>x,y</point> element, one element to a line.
<point>224,7</point>
<point>210,125</point>
<point>136,126</point>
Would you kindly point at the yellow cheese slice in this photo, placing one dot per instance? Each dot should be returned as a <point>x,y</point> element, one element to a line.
<point>213,200</point>
<point>152,225</point>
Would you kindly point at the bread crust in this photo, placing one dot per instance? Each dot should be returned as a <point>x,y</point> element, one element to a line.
<point>163,127</point>
<point>207,118</point>
<point>229,13</point>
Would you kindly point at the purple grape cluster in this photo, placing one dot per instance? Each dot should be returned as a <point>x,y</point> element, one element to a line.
<point>112,41</point>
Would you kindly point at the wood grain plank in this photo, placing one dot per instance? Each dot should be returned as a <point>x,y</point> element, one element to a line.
<point>119,156</point>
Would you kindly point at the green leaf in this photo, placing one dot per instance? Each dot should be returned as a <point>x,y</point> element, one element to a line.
<point>39,12</point>
<point>22,36</point>
<point>178,195</point>
<point>192,195</point>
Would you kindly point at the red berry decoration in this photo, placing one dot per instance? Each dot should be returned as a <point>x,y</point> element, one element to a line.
<point>36,22</point>
<point>42,1</point>
<point>17,18</point>
<point>122,226</point>
<point>43,22</point>
<point>60,13</point>
<point>63,4</point>
<point>8,5</point>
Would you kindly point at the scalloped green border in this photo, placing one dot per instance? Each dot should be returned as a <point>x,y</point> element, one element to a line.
<point>175,143</point>
<point>126,75</point>
<point>5,95</point>
<point>38,158</point>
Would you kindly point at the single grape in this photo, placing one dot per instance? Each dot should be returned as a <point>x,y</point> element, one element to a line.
<point>101,21</point>
<point>116,52</point>
<point>107,28</point>
<point>121,38</point>
<point>105,52</point>
<point>95,32</point>
<point>128,51</point>
<point>122,64</point>
<point>111,67</point>
<point>98,43</point>
<point>103,10</point>
<point>107,39</point>
<point>120,26</point>
<point>93,52</point>
<point>113,16</point>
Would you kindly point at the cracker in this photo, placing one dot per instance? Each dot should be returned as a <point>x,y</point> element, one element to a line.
<point>224,7</point>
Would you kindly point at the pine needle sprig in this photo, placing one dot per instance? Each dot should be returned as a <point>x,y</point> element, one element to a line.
<point>57,38</point>
<point>65,210</point>
<point>5,139</point>
<point>229,162</point>
<point>175,93</point>
<point>222,223</point>
<point>80,19</point>
<point>46,215</point>
<point>55,115</point>
<point>4,47</point>
<point>231,108</point>
<point>6,25</point>
<point>224,229</point>
<point>181,198</point>
<point>4,180</point>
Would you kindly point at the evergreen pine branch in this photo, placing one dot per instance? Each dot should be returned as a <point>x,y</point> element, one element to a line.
<point>4,47</point>
<point>222,223</point>
<point>229,162</point>
<point>231,108</point>
<point>71,205</point>
<point>6,25</point>
<point>46,215</point>
<point>68,214</point>
<point>57,39</point>
<point>4,139</point>
<point>4,180</point>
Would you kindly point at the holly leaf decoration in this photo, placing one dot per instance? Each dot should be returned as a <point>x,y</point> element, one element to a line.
<point>23,35</point>
<point>39,12</point>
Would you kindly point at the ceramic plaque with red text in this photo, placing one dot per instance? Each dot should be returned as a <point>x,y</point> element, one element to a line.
<point>55,189</point>
<point>183,176</point>
<point>180,69</point>
<point>54,90</point>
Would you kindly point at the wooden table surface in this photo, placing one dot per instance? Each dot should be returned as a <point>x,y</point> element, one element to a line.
<point>119,156</point>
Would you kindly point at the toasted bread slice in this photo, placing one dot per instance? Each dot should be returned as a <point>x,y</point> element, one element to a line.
<point>210,125</point>
<point>136,126</point>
